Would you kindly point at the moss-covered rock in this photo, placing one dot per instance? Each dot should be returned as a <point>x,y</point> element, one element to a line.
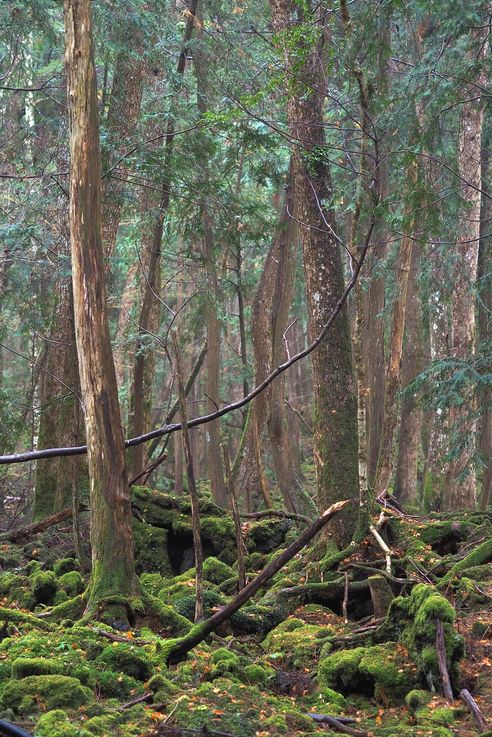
<point>72,583</point>
<point>267,535</point>
<point>65,565</point>
<point>44,586</point>
<point>24,667</point>
<point>215,571</point>
<point>56,723</point>
<point>48,691</point>
<point>153,582</point>
<point>124,658</point>
<point>112,685</point>
<point>151,551</point>
<point>295,642</point>
<point>412,621</point>
<point>382,671</point>
<point>417,698</point>
<point>257,674</point>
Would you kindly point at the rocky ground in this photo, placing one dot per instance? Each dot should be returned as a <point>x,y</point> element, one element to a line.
<point>318,641</point>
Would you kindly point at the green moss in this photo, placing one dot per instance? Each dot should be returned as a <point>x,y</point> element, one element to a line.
<point>24,667</point>
<point>72,582</point>
<point>103,726</point>
<point>257,674</point>
<point>51,691</point>
<point>479,555</point>
<point>442,715</point>
<point>277,723</point>
<point>60,597</point>
<point>267,535</point>
<point>385,671</point>
<point>215,571</point>
<point>44,586</point>
<point>417,698</point>
<point>18,590</point>
<point>119,686</point>
<point>126,659</point>
<point>296,642</point>
<point>56,723</point>
<point>151,549</point>
<point>152,582</point>
<point>333,697</point>
<point>65,565</point>
<point>223,654</point>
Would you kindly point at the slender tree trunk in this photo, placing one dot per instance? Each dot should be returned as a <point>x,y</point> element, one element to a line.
<point>385,466</point>
<point>334,385</point>
<point>461,477</point>
<point>295,497</point>
<point>409,433</point>
<point>113,569</point>
<point>485,316</point>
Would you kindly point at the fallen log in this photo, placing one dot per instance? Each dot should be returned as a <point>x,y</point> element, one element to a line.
<point>339,725</point>
<point>24,533</point>
<point>178,648</point>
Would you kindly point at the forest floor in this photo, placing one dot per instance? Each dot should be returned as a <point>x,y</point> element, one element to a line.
<point>307,647</point>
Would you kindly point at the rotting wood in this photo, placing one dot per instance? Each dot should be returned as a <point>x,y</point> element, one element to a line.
<point>466,696</point>
<point>441,659</point>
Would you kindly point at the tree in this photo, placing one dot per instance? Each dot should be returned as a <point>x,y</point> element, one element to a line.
<point>113,569</point>
<point>335,441</point>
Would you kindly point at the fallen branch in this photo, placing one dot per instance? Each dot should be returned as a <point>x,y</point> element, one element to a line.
<point>180,647</point>
<point>338,725</point>
<point>321,718</point>
<point>138,700</point>
<point>383,547</point>
<point>23,533</point>
<point>466,696</point>
<point>204,419</point>
<point>441,659</point>
<point>120,638</point>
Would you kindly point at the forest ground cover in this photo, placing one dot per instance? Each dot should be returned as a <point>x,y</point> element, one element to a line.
<point>284,656</point>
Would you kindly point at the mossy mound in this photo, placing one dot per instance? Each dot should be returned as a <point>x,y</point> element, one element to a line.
<point>216,571</point>
<point>151,549</point>
<point>296,643</point>
<point>126,659</point>
<point>72,583</point>
<point>265,536</point>
<point>383,671</point>
<point>49,691</point>
<point>412,621</point>
<point>56,723</point>
<point>44,585</point>
<point>65,565</point>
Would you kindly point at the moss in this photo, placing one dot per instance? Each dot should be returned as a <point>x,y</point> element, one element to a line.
<point>220,533</point>
<point>267,535</point>
<point>151,549</point>
<point>160,684</point>
<point>103,725</point>
<point>15,616</point>
<point>296,642</point>
<point>479,555</point>
<point>442,715</point>
<point>72,582</point>
<point>257,674</point>
<point>152,582</point>
<point>125,659</point>
<point>333,697</point>
<point>215,571</point>
<point>18,590</point>
<point>60,597</point>
<point>223,654</point>
<point>51,691</point>
<point>480,573</point>
<point>383,671</point>
<point>119,686</point>
<point>65,565</point>
<point>44,586</point>
<point>56,723</point>
<point>277,723</point>
<point>170,619</point>
<point>417,698</point>
<point>24,667</point>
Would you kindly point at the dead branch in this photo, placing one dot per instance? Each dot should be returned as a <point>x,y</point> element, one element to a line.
<point>198,633</point>
<point>23,533</point>
<point>466,696</point>
<point>338,725</point>
<point>204,419</point>
<point>441,659</point>
<point>277,513</point>
<point>138,700</point>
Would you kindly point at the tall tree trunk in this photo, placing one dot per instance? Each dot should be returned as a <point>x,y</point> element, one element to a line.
<point>461,478</point>
<point>295,496</point>
<point>148,321</point>
<point>485,314</point>
<point>409,433</point>
<point>113,569</point>
<point>334,385</point>
<point>385,465</point>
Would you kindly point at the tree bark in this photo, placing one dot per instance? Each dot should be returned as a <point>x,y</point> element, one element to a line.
<point>113,569</point>
<point>335,437</point>
<point>461,477</point>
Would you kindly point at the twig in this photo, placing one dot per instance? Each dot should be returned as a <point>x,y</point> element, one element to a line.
<point>383,547</point>
<point>466,696</point>
<point>138,700</point>
<point>119,638</point>
<point>345,598</point>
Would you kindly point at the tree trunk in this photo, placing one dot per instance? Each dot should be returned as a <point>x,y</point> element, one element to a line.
<point>393,373</point>
<point>113,569</point>
<point>409,433</point>
<point>461,480</point>
<point>295,497</point>
<point>335,437</point>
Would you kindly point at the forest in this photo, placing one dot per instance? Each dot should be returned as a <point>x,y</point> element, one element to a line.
<point>245,368</point>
